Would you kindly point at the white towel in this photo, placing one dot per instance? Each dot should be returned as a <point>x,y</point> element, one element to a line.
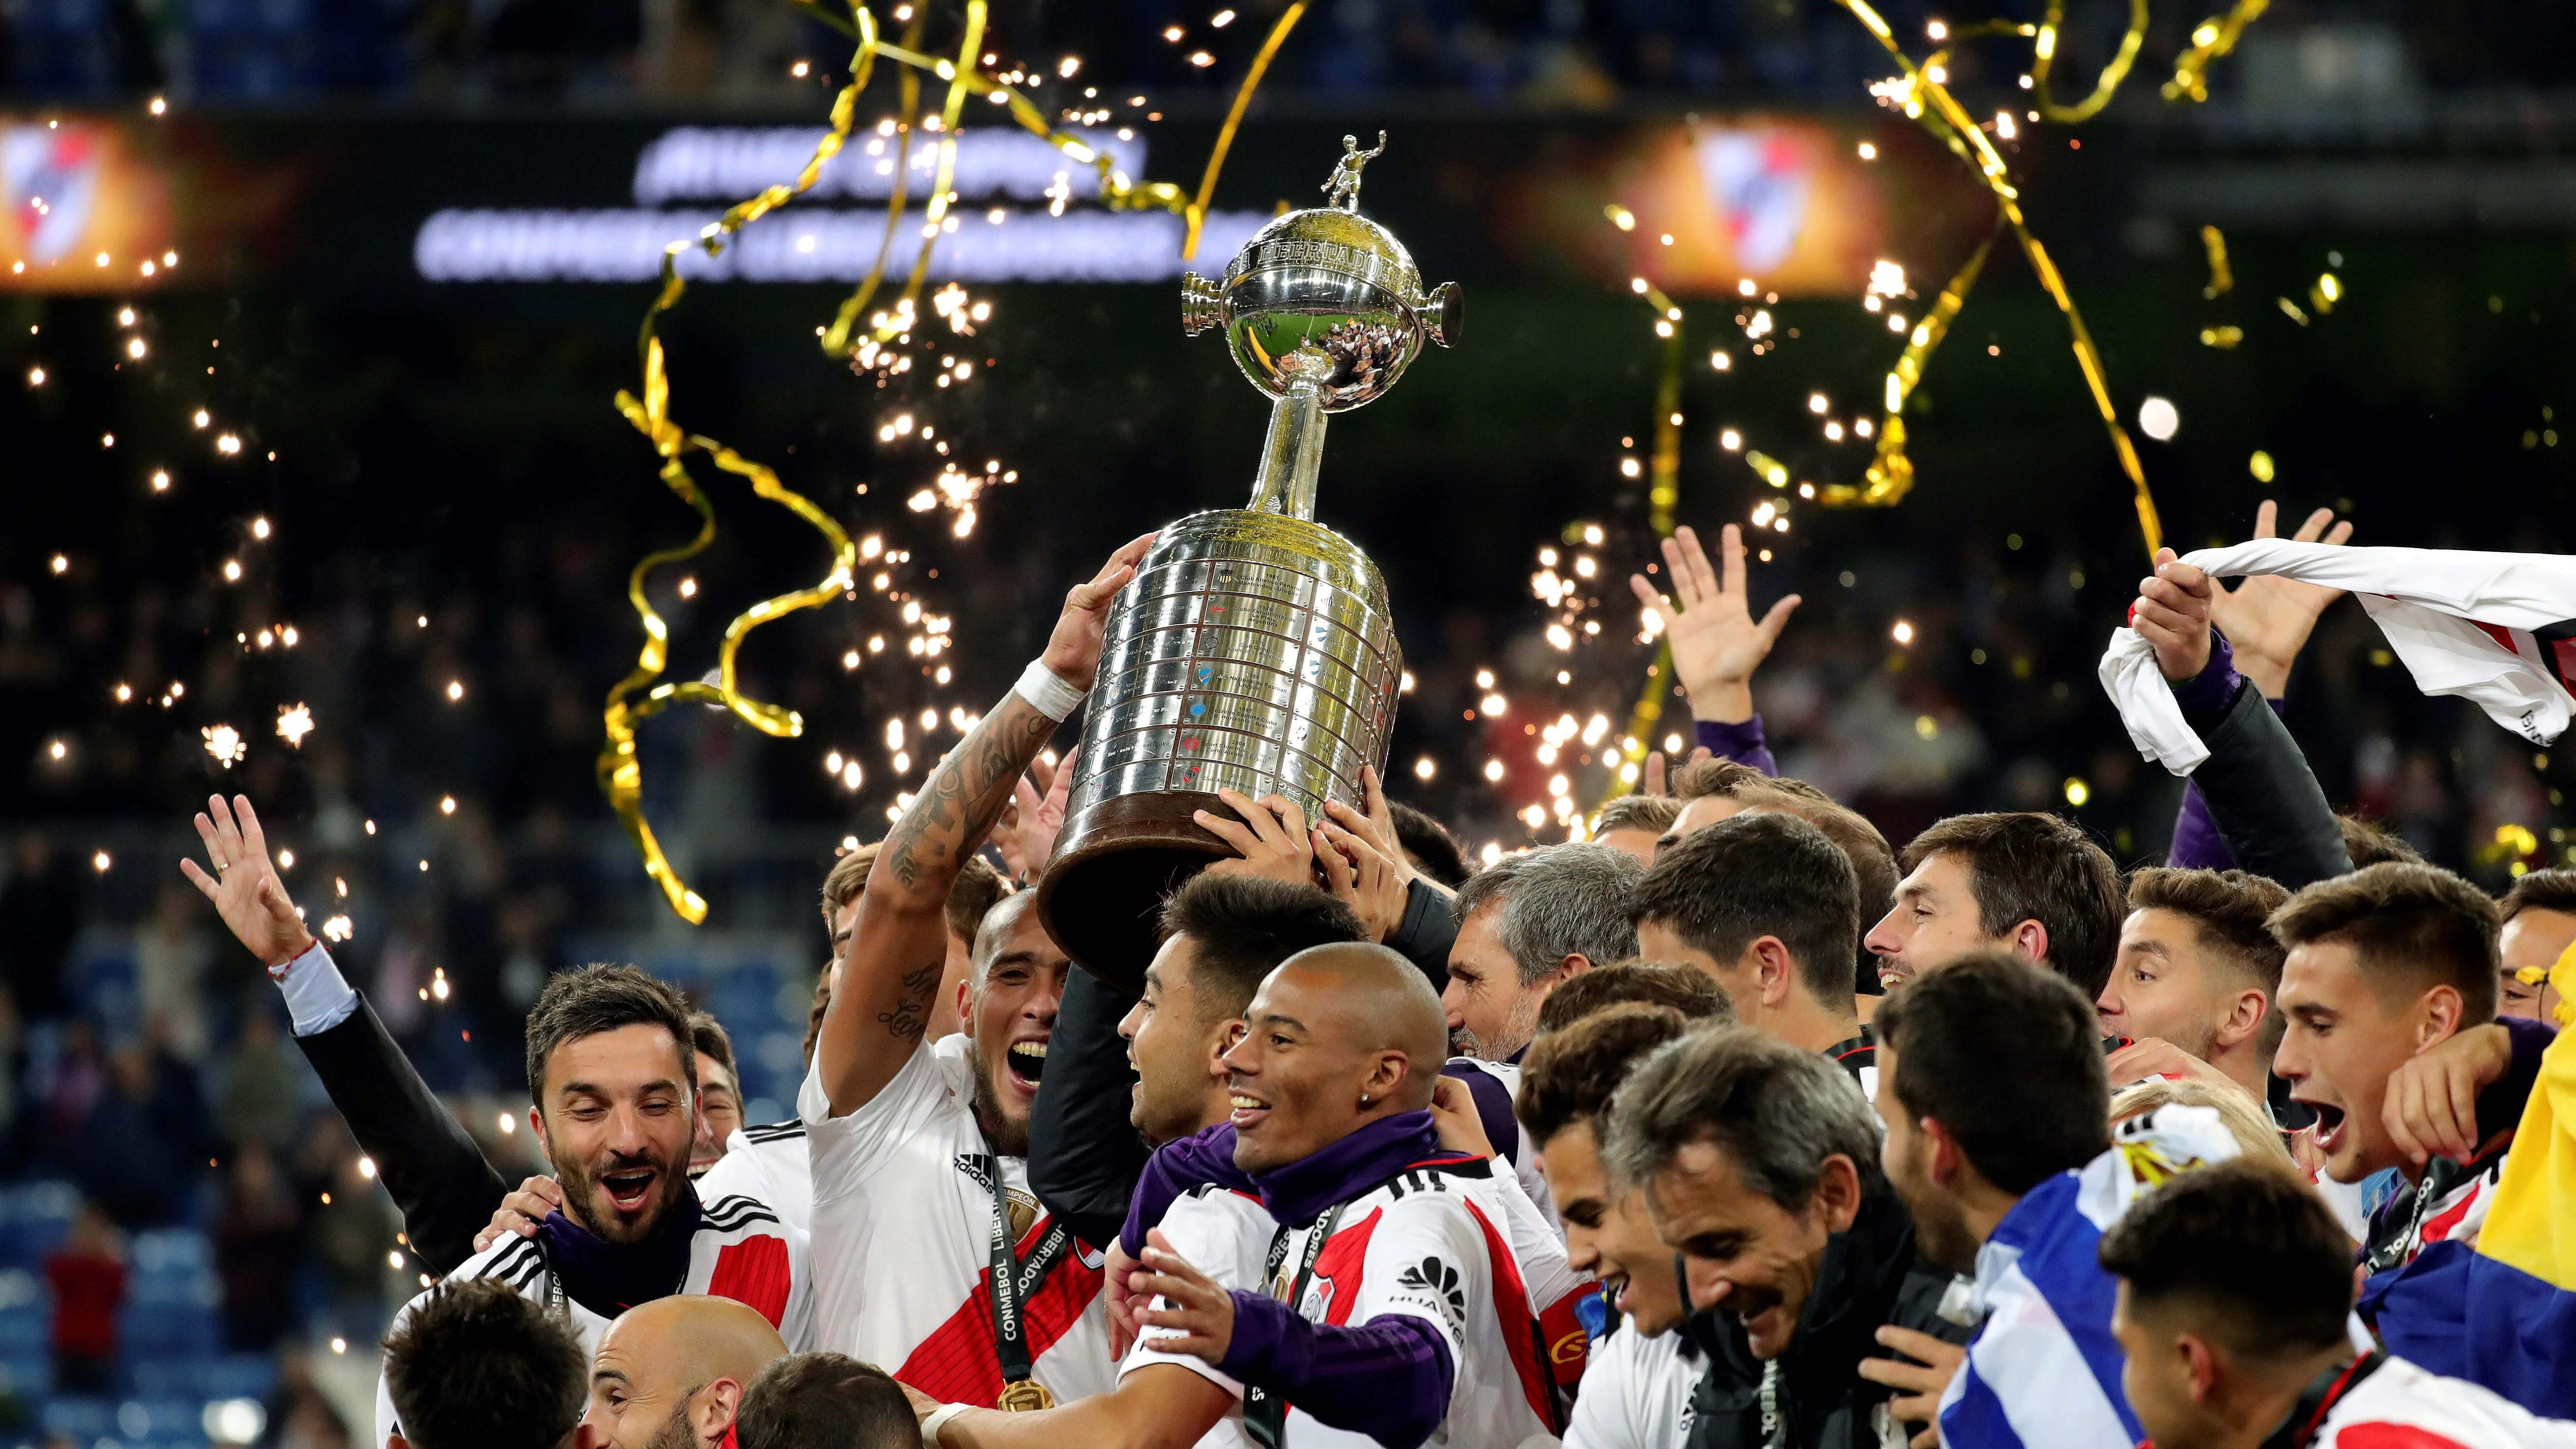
<point>2498,629</point>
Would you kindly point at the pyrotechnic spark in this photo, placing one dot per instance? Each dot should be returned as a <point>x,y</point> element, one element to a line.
<point>294,723</point>
<point>225,743</point>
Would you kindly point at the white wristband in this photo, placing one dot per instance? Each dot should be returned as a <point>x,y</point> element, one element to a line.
<point>1046,691</point>
<point>939,1417</point>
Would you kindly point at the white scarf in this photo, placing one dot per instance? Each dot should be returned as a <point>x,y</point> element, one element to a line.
<point>2498,629</point>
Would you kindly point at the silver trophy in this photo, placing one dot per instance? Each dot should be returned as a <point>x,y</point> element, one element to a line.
<point>1253,651</point>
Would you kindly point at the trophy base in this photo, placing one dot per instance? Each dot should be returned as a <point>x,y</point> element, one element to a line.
<point>1102,901</point>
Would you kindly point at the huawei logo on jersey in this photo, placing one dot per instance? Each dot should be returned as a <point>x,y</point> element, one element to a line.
<point>1431,1276</point>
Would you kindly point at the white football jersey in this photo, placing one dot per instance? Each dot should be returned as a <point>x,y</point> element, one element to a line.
<point>903,1224</point>
<point>1636,1393</point>
<point>2397,1405</point>
<point>740,1251</point>
<point>768,1162</point>
<point>1431,1244</point>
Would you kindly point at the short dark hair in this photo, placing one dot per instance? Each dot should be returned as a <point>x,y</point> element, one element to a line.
<point>2246,1248</point>
<point>708,1038</point>
<point>825,1401</point>
<point>591,999</point>
<point>474,1365</point>
<point>1713,777</point>
<point>1435,851</point>
<point>1637,812</point>
<point>2006,1056</point>
<point>1750,876</point>
<point>2369,843</point>
<point>2230,908</point>
<point>1244,926</point>
<point>2539,890</point>
<point>1685,989</point>
<point>1776,1111</point>
<point>1569,1076</point>
<point>977,889</point>
<point>2028,865</point>
<point>2410,927</point>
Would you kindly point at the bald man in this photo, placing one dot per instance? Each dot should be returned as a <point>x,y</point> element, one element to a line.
<point>670,1373</point>
<point>1404,1308</point>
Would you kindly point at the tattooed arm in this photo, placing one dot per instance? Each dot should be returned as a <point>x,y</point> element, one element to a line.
<point>890,968</point>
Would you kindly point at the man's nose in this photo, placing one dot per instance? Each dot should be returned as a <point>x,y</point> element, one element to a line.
<point>1881,940</point>
<point>1708,1287</point>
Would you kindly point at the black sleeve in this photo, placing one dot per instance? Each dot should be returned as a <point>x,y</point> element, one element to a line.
<point>1427,931</point>
<point>2265,799</point>
<point>446,1189</point>
<point>1084,1154</point>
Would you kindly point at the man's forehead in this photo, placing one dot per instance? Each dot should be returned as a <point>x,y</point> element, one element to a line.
<point>642,1047</point>
<point>2157,929</point>
<point>2323,973</point>
<point>1702,1191</point>
<point>1940,871</point>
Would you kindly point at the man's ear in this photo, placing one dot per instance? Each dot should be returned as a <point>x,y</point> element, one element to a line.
<point>2201,1362</point>
<point>1389,1073</point>
<point>966,1004</point>
<point>1947,1161</point>
<point>1774,969</point>
<point>1574,964</point>
<point>537,1125</point>
<point>1837,1196</point>
<point>2438,1013</point>
<point>716,1405</point>
<point>2029,939</point>
<point>2245,1013</point>
<point>1222,1039</point>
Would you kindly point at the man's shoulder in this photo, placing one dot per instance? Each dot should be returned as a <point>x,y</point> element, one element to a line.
<point>737,1214</point>
<point>772,1134</point>
<point>518,1261</point>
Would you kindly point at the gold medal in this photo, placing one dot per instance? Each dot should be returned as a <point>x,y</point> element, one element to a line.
<point>1024,1397</point>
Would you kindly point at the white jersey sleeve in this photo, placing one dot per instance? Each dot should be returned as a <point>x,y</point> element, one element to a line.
<point>1225,1236</point>
<point>1636,1394</point>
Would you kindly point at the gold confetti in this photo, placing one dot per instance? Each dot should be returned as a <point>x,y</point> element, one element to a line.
<point>2221,280</point>
<point>2210,40</point>
<point>2222,338</point>
<point>2260,465</point>
<point>2292,311</point>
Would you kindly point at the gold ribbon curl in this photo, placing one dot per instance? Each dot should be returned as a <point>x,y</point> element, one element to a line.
<point>639,696</point>
<point>2210,39</point>
<point>2044,54</point>
<point>1929,104</point>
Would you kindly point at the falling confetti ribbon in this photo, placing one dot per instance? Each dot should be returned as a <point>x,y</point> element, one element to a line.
<point>2044,53</point>
<point>2221,280</point>
<point>2209,40</point>
<point>642,694</point>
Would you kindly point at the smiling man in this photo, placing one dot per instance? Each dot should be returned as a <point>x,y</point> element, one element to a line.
<point>671,1374</point>
<point>614,1082</point>
<point>935,1260</point>
<point>1760,1164</point>
<point>1638,1378</point>
<point>2026,881</point>
<point>1526,923</point>
<point>2193,985</point>
<point>1397,1313</point>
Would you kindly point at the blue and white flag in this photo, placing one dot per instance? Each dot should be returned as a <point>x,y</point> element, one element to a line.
<point>2044,1370</point>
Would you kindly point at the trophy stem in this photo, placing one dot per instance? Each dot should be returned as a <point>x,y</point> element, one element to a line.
<point>1294,452</point>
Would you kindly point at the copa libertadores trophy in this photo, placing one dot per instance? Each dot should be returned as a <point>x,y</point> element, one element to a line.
<point>1253,650</point>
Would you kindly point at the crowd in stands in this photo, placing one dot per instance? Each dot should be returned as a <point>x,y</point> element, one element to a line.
<point>1736,1123</point>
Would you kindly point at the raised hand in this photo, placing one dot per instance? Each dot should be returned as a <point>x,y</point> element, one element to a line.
<point>244,886</point>
<point>2172,612</point>
<point>1271,837</point>
<point>1716,641</point>
<point>1029,825</point>
<point>1359,874</point>
<point>2267,618</point>
<point>1073,649</point>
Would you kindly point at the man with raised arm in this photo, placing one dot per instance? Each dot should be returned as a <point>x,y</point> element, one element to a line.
<point>933,1260</point>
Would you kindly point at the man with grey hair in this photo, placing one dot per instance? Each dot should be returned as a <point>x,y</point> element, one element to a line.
<point>1760,1167</point>
<point>1526,923</point>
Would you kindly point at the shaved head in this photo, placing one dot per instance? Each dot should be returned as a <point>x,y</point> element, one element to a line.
<point>1338,1037</point>
<point>673,1370</point>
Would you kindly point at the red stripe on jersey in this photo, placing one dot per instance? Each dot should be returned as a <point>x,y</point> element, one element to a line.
<point>958,1363</point>
<point>2391,1436</point>
<point>1342,1262</point>
<point>1519,1324</point>
<point>2442,1224</point>
<point>2499,634</point>
<point>753,1272</point>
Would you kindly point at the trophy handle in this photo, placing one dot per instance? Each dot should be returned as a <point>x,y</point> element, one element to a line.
<point>1293,454</point>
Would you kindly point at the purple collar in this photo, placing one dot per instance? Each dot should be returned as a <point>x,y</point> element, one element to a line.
<point>609,1278</point>
<point>1302,1191</point>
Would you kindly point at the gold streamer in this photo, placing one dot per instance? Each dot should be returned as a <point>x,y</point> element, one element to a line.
<point>2044,52</point>
<point>2221,280</point>
<point>639,696</point>
<point>1233,118</point>
<point>1929,104</point>
<point>2210,39</point>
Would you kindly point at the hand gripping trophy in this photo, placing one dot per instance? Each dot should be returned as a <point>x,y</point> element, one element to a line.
<point>1253,650</point>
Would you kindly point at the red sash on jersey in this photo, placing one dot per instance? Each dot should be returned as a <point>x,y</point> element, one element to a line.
<point>958,1363</point>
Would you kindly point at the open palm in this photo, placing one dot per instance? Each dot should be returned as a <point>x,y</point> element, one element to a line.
<point>2266,618</point>
<point>244,885</point>
<point>1716,641</point>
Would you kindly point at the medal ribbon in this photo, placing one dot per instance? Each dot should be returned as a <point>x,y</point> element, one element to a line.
<point>1265,1416</point>
<point>1014,1280</point>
